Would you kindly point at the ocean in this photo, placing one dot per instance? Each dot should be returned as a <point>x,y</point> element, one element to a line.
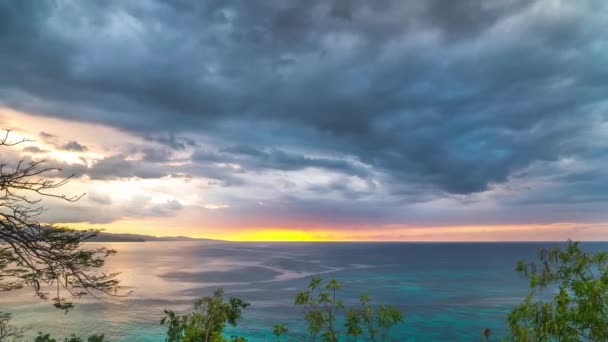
<point>448,291</point>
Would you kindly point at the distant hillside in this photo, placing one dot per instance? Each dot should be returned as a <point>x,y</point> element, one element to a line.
<point>109,237</point>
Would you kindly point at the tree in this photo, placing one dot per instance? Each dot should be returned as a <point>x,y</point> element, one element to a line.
<point>279,330</point>
<point>375,321</point>
<point>73,338</point>
<point>207,322</point>
<point>323,309</point>
<point>578,308</point>
<point>34,254</point>
<point>6,330</point>
<point>42,256</point>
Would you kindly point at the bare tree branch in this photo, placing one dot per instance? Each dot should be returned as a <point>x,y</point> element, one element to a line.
<point>45,256</point>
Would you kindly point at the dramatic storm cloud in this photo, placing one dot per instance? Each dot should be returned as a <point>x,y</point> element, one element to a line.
<point>346,115</point>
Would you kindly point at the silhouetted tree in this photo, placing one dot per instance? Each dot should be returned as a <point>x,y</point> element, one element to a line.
<point>6,330</point>
<point>73,338</point>
<point>47,258</point>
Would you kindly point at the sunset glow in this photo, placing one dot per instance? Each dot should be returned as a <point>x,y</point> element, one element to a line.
<point>168,204</point>
<point>379,131</point>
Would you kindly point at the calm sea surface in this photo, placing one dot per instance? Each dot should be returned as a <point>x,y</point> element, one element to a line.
<point>449,292</point>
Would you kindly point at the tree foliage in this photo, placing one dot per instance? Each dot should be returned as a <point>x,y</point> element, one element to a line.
<point>568,299</point>
<point>376,322</point>
<point>207,322</point>
<point>7,331</point>
<point>279,330</point>
<point>73,338</point>
<point>323,308</point>
<point>47,258</point>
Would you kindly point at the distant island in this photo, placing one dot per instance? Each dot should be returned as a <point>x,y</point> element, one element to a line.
<point>109,237</point>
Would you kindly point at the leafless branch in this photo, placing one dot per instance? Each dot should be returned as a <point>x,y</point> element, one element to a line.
<point>45,256</point>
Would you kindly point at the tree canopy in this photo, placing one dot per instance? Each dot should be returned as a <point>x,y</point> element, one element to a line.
<point>47,258</point>
<point>568,299</point>
<point>323,308</point>
<point>207,322</point>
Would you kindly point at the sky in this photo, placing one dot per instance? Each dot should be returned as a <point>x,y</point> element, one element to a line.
<point>315,120</point>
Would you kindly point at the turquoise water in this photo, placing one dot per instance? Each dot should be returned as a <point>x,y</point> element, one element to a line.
<point>449,292</point>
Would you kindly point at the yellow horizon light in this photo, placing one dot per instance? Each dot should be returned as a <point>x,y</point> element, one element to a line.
<point>275,235</point>
<point>538,232</point>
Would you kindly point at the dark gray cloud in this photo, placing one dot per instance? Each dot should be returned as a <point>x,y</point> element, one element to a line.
<point>117,166</point>
<point>170,140</point>
<point>124,167</point>
<point>344,188</point>
<point>47,136</point>
<point>436,97</point>
<point>74,146</point>
<point>99,198</point>
<point>253,159</point>
<point>137,207</point>
<point>151,154</point>
<point>33,149</point>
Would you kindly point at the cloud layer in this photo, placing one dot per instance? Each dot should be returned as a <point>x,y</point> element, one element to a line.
<point>383,112</point>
